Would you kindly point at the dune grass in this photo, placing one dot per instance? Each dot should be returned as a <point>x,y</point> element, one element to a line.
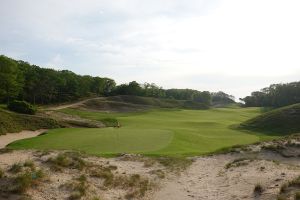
<point>283,120</point>
<point>14,122</point>
<point>155,132</point>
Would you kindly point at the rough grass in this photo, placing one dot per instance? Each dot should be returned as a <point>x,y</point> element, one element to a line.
<point>13,122</point>
<point>238,162</point>
<point>157,102</point>
<point>71,160</point>
<point>22,177</point>
<point>290,189</point>
<point>134,184</point>
<point>156,132</point>
<point>77,187</point>
<point>125,103</point>
<point>283,120</point>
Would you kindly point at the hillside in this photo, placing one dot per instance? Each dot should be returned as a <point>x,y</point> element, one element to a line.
<point>12,122</point>
<point>283,120</point>
<point>126,103</point>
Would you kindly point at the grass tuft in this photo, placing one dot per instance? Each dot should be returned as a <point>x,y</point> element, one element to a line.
<point>238,162</point>
<point>71,160</point>
<point>16,168</point>
<point>258,189</point>
<point>175,163</point>
<point>78,187</point>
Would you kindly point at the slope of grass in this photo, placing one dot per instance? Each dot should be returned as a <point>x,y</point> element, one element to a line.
<point>126,103</point>
<point>284,120</point>
<point>13,122</point>
<point>155,132</point>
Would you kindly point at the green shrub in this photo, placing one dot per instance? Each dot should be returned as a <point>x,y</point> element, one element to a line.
<point>110,122</point>
<point>22,107</point>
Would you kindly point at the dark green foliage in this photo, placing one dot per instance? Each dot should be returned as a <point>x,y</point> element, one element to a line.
<point>188,94</point>
<point>283,120</point>
<point>276,95</point>
<point>22,107</point>
<point>221,98</point>
<point>157,102</point>
<point>20,80</point>
<point>10,79</point>
<point>194,105</point>
<point>110,122</point>
<point>13,122</point>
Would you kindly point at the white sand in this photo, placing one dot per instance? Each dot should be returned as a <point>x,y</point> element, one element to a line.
<point>11,137</point>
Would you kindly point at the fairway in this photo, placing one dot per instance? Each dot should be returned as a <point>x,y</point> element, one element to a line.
<point>155,132</point>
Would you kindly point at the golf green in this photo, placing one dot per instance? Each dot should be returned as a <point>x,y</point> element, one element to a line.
<point>155,132</point>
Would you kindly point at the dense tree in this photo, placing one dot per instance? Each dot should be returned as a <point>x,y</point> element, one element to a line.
<point>202,97</point>
<point>9,85</point>
<point>21,81</point>
<point>133,88</point>
<point>276,95</point>
<point>152,90</point>
<point>222,98</point>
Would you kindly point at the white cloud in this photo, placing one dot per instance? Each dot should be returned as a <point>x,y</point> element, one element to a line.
<point>166,42</point>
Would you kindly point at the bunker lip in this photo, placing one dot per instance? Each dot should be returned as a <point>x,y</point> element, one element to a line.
<point>11,137</point>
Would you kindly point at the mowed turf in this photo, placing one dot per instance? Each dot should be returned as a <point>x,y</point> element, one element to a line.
<point>156,132</point>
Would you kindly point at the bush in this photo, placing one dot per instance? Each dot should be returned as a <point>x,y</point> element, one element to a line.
<point>110,122</point>
<point>22,107</point>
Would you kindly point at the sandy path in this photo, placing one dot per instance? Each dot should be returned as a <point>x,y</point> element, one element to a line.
<point>208,179</point>
<point>11,137</point>
<point>69,105</point>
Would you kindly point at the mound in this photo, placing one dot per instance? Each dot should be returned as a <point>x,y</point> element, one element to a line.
<point>283,120</point>
<point>134,103</point>
<point>12,122</point>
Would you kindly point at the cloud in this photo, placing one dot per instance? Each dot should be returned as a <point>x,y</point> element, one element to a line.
<point>199,44</point>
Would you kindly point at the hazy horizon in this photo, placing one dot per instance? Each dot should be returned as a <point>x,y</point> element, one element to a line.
<point>234,46</point>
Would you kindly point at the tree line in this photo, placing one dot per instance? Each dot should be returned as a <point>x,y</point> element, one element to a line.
<point>20,80</point>
<point>276,95</point>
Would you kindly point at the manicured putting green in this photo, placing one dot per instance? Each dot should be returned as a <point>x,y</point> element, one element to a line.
<point>156,132</point>
<point>109,140</point>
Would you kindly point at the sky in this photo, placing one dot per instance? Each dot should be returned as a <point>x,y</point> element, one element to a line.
<point>237,46</point>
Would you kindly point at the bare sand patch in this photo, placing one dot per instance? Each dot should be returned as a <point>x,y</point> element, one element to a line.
<point>228,176</point>
<point>11,137</point>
